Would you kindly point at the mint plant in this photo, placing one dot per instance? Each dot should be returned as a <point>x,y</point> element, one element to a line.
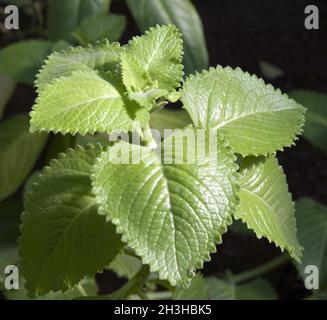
<point>86,207</point>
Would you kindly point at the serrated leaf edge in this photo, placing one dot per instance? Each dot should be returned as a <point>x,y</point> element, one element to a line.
<point>301,120</point>
<point>290,249</point>
<point>32,293</point>
<point>153,263</point>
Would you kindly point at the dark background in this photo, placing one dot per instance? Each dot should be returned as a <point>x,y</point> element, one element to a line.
<point>241,33</point>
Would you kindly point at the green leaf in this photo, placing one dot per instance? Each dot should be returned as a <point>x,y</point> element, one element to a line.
<point>266,205</point>
<point>29,183</point>
<point>258,289</point>
<point>125,266</point>
<point>181,13</point>
<point>101,138</point>
<point>86,103</point>
<point>7,88</point>
<point>71,239</point>
<point>315,129</point>
<point>197,290</point>
<point>138,83</point>
<point>172,215</point>
<point>21,61</point>
<point>60,45</point>
<point>100,27</point>
<point>86,286</point>
<point>169,119</point>
<point>64,16</point>
<point>312,232</point>
<point>238,227</point>
<point>19,150</point>
<point>103,57</point>
<point>253,116</point>
<point>159,53</point>
<point>58,143</point>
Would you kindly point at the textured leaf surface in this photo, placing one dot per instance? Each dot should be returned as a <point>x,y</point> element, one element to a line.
<point>198,290</point>
<point>266,205</point>
<point>312,230</point>
<point>138,83</point>
<point>21,61</point>
<point>100,27</point>
<point>19,150</point>
<point>181,13</point>
<point>63,236</point>
<point>86,103</point>
<point>253,116</point>
<point>172,215</point>
<point>159,52</point>
<point>315,129</point>
<point>103,56</point>
<point>64,16</point>
<point>258,289</point>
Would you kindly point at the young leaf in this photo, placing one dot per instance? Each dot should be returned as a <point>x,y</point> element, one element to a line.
<point>84,103</point>
<point>172,215</point>
<point>64,16</point>
<point>7,88</point>
<point>312,232</point>
<point>103,56</point>
<point>266,205</point>
<point>181,13</point>
<point>258,289</point>
<point>138,82</point>
<point>198,290</point>
<point>21,61</point>
<point>159,53</point>
<point>63,236</point>
<point>100,27</point>
<point>253,116</point>
<point>315,129</point>
<point>19,150</point>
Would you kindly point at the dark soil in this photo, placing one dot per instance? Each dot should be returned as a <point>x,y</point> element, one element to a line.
<point>240,33</point>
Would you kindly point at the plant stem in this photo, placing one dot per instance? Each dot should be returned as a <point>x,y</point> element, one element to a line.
<point>147,138</point>
<point>132,286</point>
<point>265,268</point>
<point>81,290</point>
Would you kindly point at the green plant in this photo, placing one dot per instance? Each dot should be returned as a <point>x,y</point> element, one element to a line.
<point>88,208</point>
<point>66,23</point>
<point>50,30</point>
